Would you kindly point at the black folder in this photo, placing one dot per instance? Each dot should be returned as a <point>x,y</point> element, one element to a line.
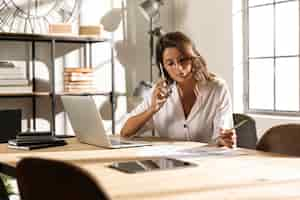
<point>35,142</point>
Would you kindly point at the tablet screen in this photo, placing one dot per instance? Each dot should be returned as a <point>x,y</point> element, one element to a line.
<point>150,165</point>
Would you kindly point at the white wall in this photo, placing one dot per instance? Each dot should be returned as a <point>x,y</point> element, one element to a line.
<point>209,24</point>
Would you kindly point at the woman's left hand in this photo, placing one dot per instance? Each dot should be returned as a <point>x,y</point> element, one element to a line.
<point>227,138</point>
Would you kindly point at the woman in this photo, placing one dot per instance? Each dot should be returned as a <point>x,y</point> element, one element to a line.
<point>198,108</point>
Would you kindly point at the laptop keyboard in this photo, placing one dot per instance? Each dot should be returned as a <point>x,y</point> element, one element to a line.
<point>118,142</point>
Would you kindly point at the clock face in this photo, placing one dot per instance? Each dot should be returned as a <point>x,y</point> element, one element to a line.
<point>34,16</point>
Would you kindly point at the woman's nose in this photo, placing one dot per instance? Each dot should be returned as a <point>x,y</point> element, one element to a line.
<point>179,66</point>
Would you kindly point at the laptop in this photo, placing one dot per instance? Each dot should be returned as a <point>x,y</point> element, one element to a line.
<point>87,123</point>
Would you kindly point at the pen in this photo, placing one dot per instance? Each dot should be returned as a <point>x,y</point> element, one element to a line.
<point>163,76</point>
<point>162,73</point>
<point>241,123</point>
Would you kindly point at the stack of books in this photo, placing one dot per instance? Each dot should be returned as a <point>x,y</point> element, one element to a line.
<point>79,80</point>
<point>30,141</point>
<point>13,79</point>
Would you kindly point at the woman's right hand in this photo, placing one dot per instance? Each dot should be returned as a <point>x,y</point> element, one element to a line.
<point>159,96</point>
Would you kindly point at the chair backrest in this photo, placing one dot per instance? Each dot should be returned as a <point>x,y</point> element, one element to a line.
<point>10,124</point>
<point>3,191</point>
<point>55,180</point>
<point>283,139</point>
<point>246,134</point>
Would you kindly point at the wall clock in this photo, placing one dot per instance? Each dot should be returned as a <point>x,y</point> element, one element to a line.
<point>34,16</point>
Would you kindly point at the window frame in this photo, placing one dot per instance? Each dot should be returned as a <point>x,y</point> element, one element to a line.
<point>246,58</point>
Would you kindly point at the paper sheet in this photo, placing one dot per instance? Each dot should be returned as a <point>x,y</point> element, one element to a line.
<point>170,150</point>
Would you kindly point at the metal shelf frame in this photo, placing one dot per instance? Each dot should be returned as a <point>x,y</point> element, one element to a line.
<point>53,40</point>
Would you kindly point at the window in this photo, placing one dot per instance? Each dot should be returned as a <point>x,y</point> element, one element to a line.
<point>272,74</point>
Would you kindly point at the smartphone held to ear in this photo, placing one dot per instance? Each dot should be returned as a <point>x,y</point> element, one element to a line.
<point>167,84</point>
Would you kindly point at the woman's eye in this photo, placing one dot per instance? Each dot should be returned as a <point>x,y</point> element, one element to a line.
<point>170,64</point>
<point>184,61</point>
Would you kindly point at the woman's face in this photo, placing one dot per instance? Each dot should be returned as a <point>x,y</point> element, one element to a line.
<point>178,66</point>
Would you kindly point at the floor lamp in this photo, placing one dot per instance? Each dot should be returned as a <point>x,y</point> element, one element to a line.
<point>151,11</point>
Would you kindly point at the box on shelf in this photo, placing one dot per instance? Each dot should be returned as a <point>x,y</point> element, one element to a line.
<point>60,29</point>
<point>90,30</point>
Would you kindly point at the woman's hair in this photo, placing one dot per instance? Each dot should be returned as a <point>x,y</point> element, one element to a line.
<point>180,41</point>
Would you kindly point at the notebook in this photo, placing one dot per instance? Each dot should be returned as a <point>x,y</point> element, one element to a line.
<point>35,142</point>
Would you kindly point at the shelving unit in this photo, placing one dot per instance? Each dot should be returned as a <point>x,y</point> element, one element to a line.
<point>53,40</point>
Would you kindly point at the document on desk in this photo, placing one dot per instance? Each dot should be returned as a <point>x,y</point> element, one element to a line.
<point>201,151</point>
<point>159,150</point>
<point>211,151</point>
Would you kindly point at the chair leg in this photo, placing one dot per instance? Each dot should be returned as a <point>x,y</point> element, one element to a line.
<point>3,192</point>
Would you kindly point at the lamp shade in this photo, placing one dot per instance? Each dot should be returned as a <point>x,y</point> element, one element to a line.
<point>112,19</point>
<point>150,8</point>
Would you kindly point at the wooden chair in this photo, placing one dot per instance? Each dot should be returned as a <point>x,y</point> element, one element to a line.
<point>55,180</point>
<point>10,124</point>
<point>246,134</point>
<point>9,127</point>
<point>283,139</point>
<point>3,191</point>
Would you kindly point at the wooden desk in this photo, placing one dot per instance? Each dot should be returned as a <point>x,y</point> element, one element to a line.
<point>251,176</point>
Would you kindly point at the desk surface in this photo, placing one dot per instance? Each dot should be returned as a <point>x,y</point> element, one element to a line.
<point>244,175</point>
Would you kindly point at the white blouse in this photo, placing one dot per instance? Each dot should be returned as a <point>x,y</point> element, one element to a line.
<point>211,112</point>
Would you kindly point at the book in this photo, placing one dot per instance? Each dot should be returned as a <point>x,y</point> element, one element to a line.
<point>78,74</point>
<point>33,133</point>
<point>12,69</point>
<point>35,140</point>
<point>9,71</point>
<point>11,82</point>
<point>78,70</point>
<point>76,83</point>
<point>81,91</point>
<point>80,78</point>
<point>16,89</point>
<point>6,64</point>
<point>85,87</point>
<point>9,76</point>
<point>35,146</point>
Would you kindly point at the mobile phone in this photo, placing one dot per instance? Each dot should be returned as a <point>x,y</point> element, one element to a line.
<point>163,76</point>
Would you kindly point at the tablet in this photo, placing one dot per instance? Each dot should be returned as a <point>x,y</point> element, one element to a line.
<point>136,166</point>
